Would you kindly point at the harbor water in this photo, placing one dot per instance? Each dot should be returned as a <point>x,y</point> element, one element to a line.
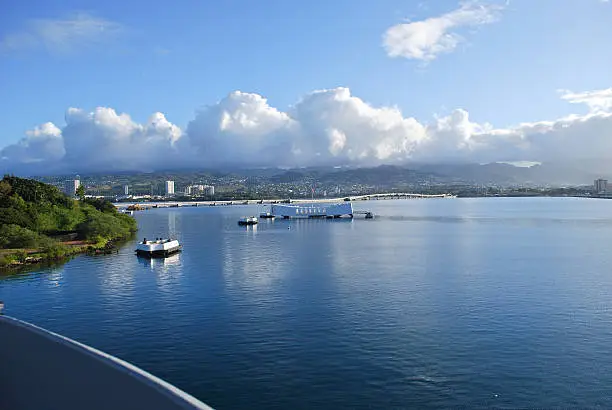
<point>491,302</point>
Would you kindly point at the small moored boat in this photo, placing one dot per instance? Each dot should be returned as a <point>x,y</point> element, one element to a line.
<point>158,248</point>
<point>247,220</point>
<point>266,215</point>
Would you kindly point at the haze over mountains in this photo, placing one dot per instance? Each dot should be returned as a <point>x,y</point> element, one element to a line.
<point>382,176</point>
<point>493,173</point>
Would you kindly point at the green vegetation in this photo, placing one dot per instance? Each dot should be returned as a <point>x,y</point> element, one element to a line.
<point>80,192</point>
<point>35,216</point>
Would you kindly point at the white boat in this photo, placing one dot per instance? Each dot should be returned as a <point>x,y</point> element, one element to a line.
<point>248,220</point>
<point>266,215</point>
<point>158,247</point>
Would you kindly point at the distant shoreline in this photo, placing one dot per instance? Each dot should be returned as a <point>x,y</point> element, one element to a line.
<point>169,203</point>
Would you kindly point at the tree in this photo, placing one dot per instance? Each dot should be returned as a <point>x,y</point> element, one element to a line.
<point>80,192</point>
<point>5,189</point>
<point>101,204</point>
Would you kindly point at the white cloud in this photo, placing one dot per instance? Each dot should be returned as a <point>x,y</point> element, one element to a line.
<point>337,126</point>
<point>104,139</point>
<point>43,143</point>
<point>427,39</point>
<point>241,129</point>
<point>98,140</point>
<point>566,139</point>
<point>598,100</point>
<point>325,127</point>
<point>61,35</point>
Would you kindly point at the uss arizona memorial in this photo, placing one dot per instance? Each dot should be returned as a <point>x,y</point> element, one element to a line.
<point>312,210</point>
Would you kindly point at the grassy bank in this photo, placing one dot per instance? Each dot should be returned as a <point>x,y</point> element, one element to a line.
<point>62,251</point>
<point>38,223</point>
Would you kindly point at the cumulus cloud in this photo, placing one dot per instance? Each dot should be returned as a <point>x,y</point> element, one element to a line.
<point>337,126</point>
<point>104,139</point>
<point>242,128</point>
<point>62,34</point>
<point>324,127</point>
<point>43,143</point>
<point>597,100</point>
<point>426,39</point>
<point>98,140</point>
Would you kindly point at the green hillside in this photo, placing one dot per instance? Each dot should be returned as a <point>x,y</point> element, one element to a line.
<point>34,216</point>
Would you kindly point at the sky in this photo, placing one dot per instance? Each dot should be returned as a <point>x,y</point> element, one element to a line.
<point>90,85</point>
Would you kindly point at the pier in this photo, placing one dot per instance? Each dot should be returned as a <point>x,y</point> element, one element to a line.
<point>399,195</point>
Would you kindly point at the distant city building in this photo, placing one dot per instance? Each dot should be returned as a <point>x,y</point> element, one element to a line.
<point>200,190</point>
<point>126,189</point>
<point>600,185</point>
<point>169,188</point>
<point>71,186</point>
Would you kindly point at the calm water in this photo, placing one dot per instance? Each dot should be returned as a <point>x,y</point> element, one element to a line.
<point>435,303</point>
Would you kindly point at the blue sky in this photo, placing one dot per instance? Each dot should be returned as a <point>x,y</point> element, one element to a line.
<point>140,57</point>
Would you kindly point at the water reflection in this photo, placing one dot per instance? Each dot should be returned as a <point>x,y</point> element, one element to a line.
<point>117,283</point>
<point>251,229</point>
<point>55,277</point>
<point>303,225</point>
<point>160,264</point>
<point>252,262</point>
<point>23,272</point>
<point>172,224</point>
<point>167,270</point>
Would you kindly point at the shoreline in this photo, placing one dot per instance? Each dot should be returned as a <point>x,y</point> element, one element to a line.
<point>352,198</point>
<point>169,203</point>
<point>19,258</point>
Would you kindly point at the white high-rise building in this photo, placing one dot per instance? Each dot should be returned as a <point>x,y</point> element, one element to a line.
<point>200,190</point>
<point>600,185</point>
<point>169,188</point>
<point>71,186</point>
<point>126,189</point>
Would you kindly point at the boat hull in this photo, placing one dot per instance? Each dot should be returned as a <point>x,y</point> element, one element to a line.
<point>158,248</point>
<point>157,253</point>
<point>248,220</point>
